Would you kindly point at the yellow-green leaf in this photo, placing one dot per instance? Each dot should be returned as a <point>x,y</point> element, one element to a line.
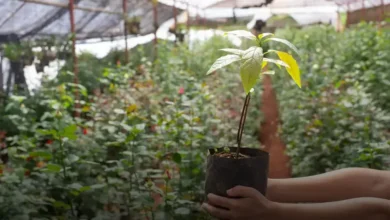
<point>264,64</point>
<point>250,69</point>
<point>222,62</point>
<point>264,35</point>
<point>293,68</point>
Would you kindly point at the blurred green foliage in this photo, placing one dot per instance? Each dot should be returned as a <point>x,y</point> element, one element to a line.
<point>341,117</point>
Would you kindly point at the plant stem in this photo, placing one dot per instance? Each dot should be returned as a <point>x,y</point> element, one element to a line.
<point>242,123</point>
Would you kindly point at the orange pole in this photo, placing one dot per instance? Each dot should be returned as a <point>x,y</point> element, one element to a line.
<point>75,61</point>
<point>124,5</point>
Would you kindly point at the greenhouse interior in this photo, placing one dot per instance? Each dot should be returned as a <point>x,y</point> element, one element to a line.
<point>194,109</point>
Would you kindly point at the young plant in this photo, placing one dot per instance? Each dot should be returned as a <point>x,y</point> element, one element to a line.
<point>253,63</point>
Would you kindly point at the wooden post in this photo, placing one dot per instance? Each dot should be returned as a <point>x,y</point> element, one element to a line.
<point>364,12</point>
<point>75,61</point>
<point>383,10</point>
<point>124,5</point>
<point>347,19</point>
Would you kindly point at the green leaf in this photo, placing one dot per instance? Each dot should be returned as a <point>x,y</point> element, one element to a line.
<point>222,62</point>
<point>251,67</point>
<point>84,188</point>
<point>53,168</point>
<point>98,186</point>
<point>47,132</point>
<point>286,42</point>
<point>182,211</point>
<point>59,204</point>
<point>264,35</point>
<point>70,132</point>
<point>119,111</point>
<point>293,68</point>
<point>73,158</point>
<point>242,33</point>
<point>177,158</point>
<point>44,154</point>
<point>277,62</point>
<point>233,51</point>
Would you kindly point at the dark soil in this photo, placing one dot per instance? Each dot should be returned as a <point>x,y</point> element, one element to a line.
<point>231,155</point>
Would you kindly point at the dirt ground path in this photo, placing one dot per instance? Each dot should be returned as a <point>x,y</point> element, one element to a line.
<point>268,136</point>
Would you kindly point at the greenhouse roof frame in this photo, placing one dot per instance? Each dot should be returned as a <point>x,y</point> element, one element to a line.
<point>94,18</point>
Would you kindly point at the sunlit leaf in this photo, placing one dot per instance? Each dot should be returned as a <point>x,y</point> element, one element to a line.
<point>251,67</point>
<point>44,154</point>
<point>70,132</point>
<point>293,68</point>
<point>264,35</point>
<point>222,62</point>
<point>119,111</point>
<point>285,42</point>
<point>53,168</point>
<point>131,108</point>
<point>242,33</point>
<point>233,51</point>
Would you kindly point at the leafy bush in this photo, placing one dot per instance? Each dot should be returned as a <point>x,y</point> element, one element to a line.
<point>341,117</point>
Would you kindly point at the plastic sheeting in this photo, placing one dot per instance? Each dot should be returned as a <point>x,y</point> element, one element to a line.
<point>353,5</point>
<point>29,20</point>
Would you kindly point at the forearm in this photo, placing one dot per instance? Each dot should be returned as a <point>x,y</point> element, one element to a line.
<point>333,186</point>
<point>361,208</point>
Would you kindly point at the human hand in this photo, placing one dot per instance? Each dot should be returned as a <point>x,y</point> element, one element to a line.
<point>251,205</point>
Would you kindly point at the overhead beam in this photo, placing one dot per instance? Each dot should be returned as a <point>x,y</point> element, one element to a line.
<point>76,7</point>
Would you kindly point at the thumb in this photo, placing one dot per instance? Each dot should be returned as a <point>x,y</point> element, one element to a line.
<point>243,191</point>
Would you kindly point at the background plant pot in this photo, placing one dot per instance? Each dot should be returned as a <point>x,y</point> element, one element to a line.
<point>223,173</point>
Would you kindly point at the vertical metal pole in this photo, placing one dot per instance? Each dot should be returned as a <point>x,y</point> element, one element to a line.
<point>155,22</point>
<point>1,75</point>
<point>124,5</point>
<point>75,61</point>
<point>188,17</point>
<point>175,14</point>
<point>175,19</point>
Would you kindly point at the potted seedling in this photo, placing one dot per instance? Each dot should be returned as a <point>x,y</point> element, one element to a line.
<point>231,166</point>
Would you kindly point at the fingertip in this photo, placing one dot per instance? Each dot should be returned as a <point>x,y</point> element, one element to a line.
<point>205,206</point>
<point>210,195</point>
